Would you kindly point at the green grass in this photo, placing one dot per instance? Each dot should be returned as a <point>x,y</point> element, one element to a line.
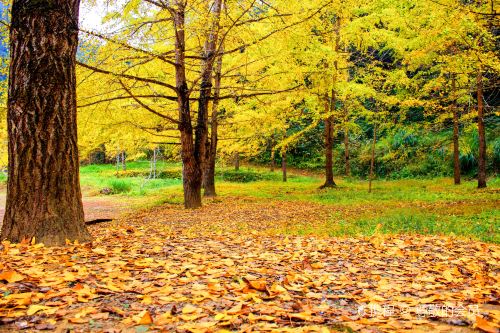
<point>410,206</point>
<point>94,178</point>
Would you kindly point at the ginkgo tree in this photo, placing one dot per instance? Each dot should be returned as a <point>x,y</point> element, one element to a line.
<point>163,60</point>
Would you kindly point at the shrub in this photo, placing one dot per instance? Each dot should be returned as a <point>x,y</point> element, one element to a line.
<point>120,186</point>
<point>163,174</point>
<point>241,176</point>
<point>169,174</point>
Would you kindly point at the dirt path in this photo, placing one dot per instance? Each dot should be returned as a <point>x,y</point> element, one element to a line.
<point>95,207</point>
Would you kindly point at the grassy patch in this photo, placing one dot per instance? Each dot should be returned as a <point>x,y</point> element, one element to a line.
<point>409,206</point>
<point>121,185</point>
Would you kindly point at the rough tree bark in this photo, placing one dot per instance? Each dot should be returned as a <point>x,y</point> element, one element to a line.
<point>193,150</point>
<point>456,152</point>
<point>209,174</point>
<point>43,189</point>
<point>481,172</point>
<point>191,160</point>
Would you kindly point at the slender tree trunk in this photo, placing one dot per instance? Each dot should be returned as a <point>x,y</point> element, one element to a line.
<point>329,182</point>
<point>372,162</point>
<point>124,162</point>
<point>104,158</point>
<point>209,175</point>
<point>481,172</point>
<point>191,160</point>
<point>330,105</point>
<point>456,152</point>
<point>346,147</point>
<point>283,165</point>
<point>237,161</point>
<point>43,189</point>
<point>209,55</point>
<point>118,157</point>
<point>273,160</point>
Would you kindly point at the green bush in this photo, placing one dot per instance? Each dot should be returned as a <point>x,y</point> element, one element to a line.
<point>163,174</point>
<point>241,176</point>
<point>169,174</point>
<point>120,186</point>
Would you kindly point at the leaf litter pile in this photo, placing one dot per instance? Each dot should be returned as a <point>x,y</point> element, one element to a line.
<point>224,268</point>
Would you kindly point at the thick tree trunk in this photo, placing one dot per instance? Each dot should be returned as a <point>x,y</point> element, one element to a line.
<point>347,156</point>
<point>191,160</point>
<point>209,174</point>
<point>283,165</point>
<point>481,172</point>
<point>43,190</point>
<point>191,171</point>
<point>372,162</point>
<point>456,152</point>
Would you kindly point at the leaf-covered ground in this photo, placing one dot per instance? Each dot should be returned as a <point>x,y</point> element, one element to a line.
<point>231,267</point>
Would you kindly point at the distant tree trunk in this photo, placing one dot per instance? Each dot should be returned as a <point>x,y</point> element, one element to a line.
<point>329,182</point>
<point>124,161</point>
<point>43,190</point>
<point>283,164</point>
<point>154,162</point>
<point>152,166</point>
<point>103,150</point>
<point>209,175</point>
<point>346,147</point>
<point>481,173</point>
<point>237,161</point>
<point>273,160</point>
<point>456,152</point>
<point>119,162</point>
<point>372,162</point>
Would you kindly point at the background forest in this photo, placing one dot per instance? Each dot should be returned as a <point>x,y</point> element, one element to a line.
<point>290,69</point>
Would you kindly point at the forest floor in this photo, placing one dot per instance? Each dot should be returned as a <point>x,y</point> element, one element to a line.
<point>273,257</point>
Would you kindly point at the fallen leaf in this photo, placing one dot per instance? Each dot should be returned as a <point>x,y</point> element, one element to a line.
<point>486,326</point>
<point>11,276</point>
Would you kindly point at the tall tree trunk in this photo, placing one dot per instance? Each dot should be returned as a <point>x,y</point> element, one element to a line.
<point>209,55</point>
<point>481,172</point>
<point>237,161</point>
<point>43,189</point>
<point>456,152</point>
<point>191,171</point>
<point>329,182</point>
<point>372,162</point>
<point>283,164</point>
<point>209,174</point>
<point>346,148</point>
<point>330,105</point>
